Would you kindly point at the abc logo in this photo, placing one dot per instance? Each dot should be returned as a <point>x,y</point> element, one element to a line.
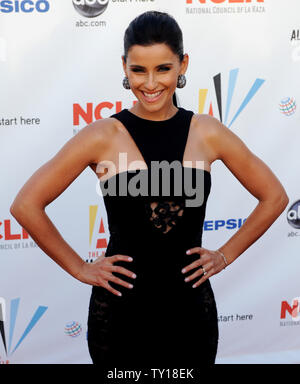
<point>293,215</point>
<point>90,8</point>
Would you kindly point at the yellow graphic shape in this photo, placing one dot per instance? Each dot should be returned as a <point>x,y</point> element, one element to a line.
<point>93,215</point>
<point>202,99</point>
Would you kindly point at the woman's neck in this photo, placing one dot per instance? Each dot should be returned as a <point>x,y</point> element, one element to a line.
<point>161,114</point>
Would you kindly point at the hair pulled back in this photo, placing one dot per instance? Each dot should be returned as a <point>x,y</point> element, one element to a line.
<point>154,27</point>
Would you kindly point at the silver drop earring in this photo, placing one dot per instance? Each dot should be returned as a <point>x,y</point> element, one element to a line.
<point>126,84</point>
<point>181,81</point>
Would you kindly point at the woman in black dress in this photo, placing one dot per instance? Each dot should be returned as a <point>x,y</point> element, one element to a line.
<point>152,302</point>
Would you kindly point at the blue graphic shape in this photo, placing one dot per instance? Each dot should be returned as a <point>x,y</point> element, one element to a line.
<point>255,87</point>
<point>231,86</point>
<point>14,306</point>
<point>36,317</point>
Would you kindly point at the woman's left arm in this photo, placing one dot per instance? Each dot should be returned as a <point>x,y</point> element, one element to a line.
<point>259,180</point>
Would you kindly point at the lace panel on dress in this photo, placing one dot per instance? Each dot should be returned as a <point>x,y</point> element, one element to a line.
<point>164,214</point>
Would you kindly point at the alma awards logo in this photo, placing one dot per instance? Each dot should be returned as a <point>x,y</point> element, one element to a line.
<point>90,8</point>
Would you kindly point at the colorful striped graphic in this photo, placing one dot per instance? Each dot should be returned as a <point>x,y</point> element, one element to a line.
<point>287,106</point>
<point>73,329</point>
<point>14,306</point>
<point>233,75</point>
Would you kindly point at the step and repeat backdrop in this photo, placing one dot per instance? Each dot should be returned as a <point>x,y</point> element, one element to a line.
<point>60,70</point>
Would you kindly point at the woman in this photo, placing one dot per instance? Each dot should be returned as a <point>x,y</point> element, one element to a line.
<point>151,301</point>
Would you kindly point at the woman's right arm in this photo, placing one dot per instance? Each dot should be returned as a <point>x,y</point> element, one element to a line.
<point>45,185</point>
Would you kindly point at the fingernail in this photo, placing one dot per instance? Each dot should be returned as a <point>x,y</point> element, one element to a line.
<point>119,294</point>
<point>130,258</point>
<point>184,270</point>
<point>130,286</point>
<point>133,276</point>
<point>186,279</point>
<point>188,252</point>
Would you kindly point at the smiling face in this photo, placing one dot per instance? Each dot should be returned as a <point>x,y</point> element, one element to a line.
<point>153,74</point>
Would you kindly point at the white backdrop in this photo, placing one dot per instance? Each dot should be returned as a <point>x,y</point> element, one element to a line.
<point>57,66</point>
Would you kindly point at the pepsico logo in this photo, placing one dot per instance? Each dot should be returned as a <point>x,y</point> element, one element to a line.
<point>26,6</point>
<point>90,8</point>
<point>73,329</point>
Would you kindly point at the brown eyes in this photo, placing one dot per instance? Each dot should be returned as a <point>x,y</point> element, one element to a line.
<point>163,69</point>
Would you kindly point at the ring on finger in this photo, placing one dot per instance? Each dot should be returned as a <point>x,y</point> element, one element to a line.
<point>204,271</point>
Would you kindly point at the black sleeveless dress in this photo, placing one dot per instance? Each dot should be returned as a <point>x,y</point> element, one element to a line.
<point>162,319</point>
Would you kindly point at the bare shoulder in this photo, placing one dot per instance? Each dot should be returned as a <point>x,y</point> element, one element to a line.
<point>101,129</point>
<point>207,125</point>
<point>98,136</point>
<point>208,130</point>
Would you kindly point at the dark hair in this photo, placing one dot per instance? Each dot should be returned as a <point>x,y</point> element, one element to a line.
<point>154,27</point>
